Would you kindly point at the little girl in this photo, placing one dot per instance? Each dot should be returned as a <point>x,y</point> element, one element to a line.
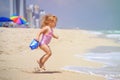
<point>47,24</point>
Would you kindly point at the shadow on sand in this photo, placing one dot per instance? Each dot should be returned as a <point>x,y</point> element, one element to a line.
<point>41,72</point>
<point>46,72</point>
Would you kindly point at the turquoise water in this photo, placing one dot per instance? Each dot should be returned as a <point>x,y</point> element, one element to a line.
<point>111,34</point>
<point>111,31</point>
<point>109,55</point>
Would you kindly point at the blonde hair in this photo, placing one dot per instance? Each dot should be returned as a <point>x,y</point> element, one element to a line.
<point>46,19</point>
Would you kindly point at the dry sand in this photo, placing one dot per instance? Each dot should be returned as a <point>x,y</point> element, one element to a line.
<point>17,60</point>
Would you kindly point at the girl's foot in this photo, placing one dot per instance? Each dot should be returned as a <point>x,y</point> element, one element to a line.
<point>41,66</point>
<point>37,69</point>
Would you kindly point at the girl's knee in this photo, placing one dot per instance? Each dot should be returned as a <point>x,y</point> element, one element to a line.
<point>49,53</point>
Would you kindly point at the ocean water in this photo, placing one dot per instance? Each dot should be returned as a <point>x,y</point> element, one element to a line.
<point>109,55</point>
<point>111,34</point>
<point>111,70</point>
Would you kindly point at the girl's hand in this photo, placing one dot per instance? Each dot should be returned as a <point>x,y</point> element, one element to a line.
<point>37,39</point>
<point>55,36</point>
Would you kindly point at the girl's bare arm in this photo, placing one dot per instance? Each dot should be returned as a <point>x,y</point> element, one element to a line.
<point>55,36</point>
<point>40,32</point>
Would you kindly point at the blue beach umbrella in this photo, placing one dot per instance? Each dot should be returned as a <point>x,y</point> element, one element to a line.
<point>5,19</point>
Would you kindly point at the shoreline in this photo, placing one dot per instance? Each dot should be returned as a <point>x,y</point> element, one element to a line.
<point>16,58</point>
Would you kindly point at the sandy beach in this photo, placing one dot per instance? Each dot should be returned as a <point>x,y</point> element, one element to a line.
<point>17,60</point>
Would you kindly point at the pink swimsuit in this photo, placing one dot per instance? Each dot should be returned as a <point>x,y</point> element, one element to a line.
<point>46,38</point>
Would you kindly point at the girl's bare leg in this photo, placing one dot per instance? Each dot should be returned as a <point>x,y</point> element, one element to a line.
<point>45,57</point>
